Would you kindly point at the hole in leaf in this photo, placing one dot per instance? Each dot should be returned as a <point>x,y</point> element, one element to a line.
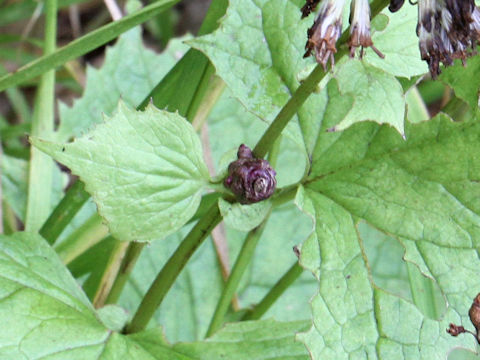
<point>463,354</point>
<point>391,273</point>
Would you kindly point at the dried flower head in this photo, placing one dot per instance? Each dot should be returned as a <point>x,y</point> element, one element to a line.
<point>250,179</point>
<point>360,28</point>
<point>326,30</point>
<point>447,30</point>
<point>310,6</point>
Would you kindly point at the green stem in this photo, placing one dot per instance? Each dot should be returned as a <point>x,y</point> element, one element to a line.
<point>82,239</point>
<point>133,252</point>
<point>170,271</point>
<point>303,92</point>
<point>241,264</point>
<point>275,292</point>
<point>41,165</point>
<point>66,209</point>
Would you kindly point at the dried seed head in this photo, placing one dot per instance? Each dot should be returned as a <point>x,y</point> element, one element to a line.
<point>360,28</point>
<point>324,33</point>
<point>250,179</point>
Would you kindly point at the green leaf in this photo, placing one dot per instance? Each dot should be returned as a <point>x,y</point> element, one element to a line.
<point>399,43</point>
<point>144,170</point>
<point>343,311</point>
<point>244,217</point>
<point>258,51</point>
<point>41,304</point>
<point>464,80</point>
<point>423,192</point>
<point>251,340</point>
<point>49,317</point>
<point>129,72</point>
<point>384,255</point>
<point>377,95</point>
<point>84,44</point>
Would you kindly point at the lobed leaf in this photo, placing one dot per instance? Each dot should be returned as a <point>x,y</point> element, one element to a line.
<point>423,192</point>
<point>144,170</point>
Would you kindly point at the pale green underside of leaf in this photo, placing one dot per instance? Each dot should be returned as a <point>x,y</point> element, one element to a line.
<point>129,72</point>
<point>258,52</point>
<point>144,170</point>
<point>424,192</point>
<point>46,316</point>
<point>244,217</point>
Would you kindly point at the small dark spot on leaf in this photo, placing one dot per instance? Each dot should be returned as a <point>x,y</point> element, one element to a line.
<point>63,149</point>
<point>348,277</point>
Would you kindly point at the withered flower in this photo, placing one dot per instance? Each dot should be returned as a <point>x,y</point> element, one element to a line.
<point>326,30</point>
<point>310,6</point>
<point>360,28</point>
<point>250,179</point>
<point>447,30</point>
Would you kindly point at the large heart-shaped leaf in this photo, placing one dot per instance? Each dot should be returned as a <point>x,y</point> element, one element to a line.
<point>424,192</point>
<point>46,316</point>
<point>144,170</point>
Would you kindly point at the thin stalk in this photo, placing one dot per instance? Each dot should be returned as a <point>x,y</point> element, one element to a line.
<point>66,209</point>
<point>82,239</point>
<point>170,271</point>
<point>110,273</point>
<point>133,252</point>
<point>9,219</point>
<point>275,292</point>
<point>41,165</point>
<point>212,94</point>
<point>243,260</point>
<point>303,92</point>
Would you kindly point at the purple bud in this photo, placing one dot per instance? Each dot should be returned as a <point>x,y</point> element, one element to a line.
<point>250,179</point>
